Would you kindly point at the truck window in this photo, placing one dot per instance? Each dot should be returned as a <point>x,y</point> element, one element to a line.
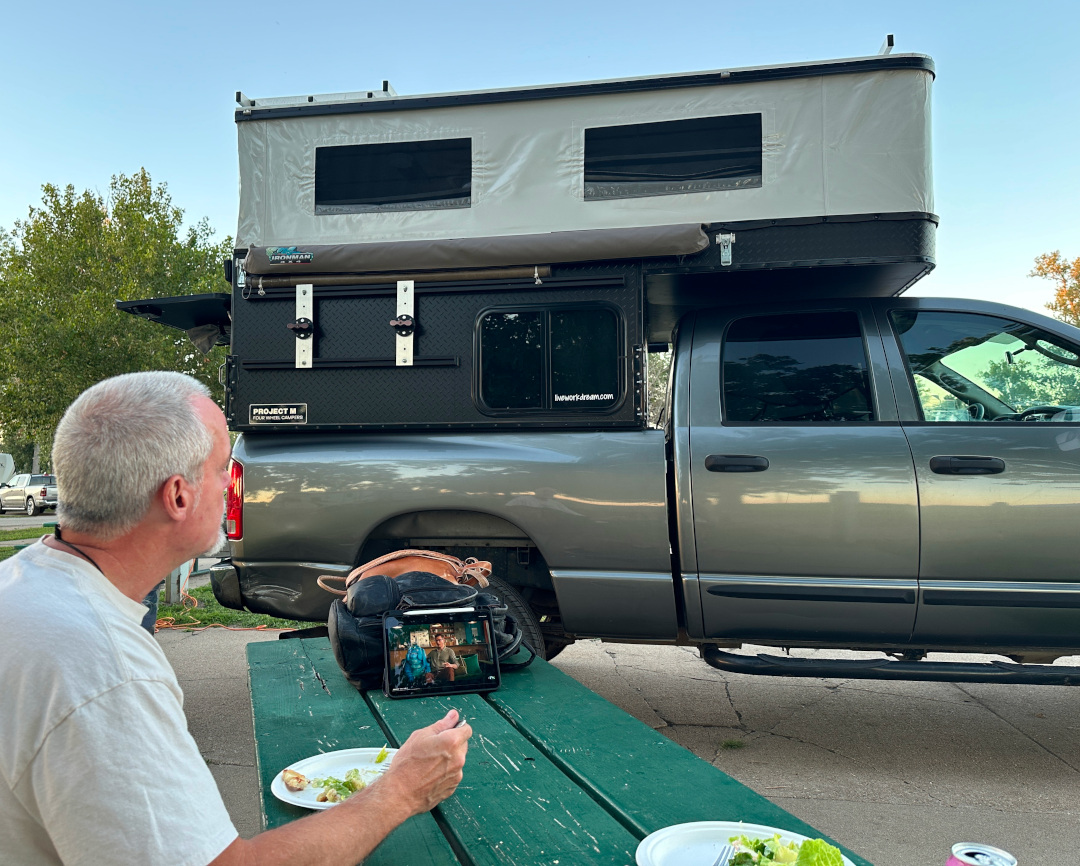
<point>974,367</point>
<point>561,360</point>
<point>805,367</point>
<point>674,156</point>
<point>403,175</point>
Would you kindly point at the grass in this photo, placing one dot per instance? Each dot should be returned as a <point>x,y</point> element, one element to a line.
<point>732,744</point>
<point>5,552</point>
<point>209,612</point>
<point>29,532</point>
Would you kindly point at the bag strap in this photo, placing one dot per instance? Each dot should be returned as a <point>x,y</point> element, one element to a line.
<point>470,568</point>
<point>513,666</point>
<point>324,579</point>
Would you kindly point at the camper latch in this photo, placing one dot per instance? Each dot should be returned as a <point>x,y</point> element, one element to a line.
<point>404,324</point>
<point>725,239</point>
<point>304,326</point>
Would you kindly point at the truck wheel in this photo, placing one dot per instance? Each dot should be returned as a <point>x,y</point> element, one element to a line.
<point>519,609</point>
<point>31,506</point>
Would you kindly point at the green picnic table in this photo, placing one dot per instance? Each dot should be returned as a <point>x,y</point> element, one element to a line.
<point>555,773</point>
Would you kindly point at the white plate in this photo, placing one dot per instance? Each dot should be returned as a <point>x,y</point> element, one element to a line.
<point>335,764</point>
<point>699,842</point>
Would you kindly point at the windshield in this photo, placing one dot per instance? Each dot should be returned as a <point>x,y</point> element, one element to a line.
<point>1007,367</point>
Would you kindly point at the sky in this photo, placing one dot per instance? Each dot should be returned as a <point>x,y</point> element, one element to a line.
<point>95,90</point>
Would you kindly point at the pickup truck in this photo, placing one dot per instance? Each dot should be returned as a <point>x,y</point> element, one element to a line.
<point>29,493</point>
<point>441,316</point>
<point>894,474</point>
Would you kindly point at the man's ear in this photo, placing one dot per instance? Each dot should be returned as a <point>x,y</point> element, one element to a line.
<point>177,497</point>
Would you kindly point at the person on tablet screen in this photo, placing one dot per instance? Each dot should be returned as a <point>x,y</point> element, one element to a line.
<point>415,668</point>
<point>143,461</point>
<point>443,660</point>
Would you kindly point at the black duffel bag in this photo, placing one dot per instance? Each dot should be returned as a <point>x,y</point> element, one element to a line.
<point>355,623</point>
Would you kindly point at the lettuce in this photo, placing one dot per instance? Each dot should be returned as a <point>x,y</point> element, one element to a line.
<point>818,852</point>
<point>774,852</point>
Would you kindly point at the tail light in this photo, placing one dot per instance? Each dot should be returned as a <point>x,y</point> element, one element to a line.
<point>44,492</point>
<point>234,502</point>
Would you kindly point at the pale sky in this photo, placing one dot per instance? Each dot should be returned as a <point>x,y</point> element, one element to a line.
<point>104,88</point>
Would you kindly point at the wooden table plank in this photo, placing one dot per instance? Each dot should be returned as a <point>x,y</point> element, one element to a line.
<point>645,780</point>
<point>513,805</point>
<point>297,714</point>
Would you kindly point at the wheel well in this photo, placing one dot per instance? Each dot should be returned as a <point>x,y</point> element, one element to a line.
<point>513,555</point>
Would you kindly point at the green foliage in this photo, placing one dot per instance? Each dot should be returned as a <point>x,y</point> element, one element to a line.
<point>1065,275</point>
<point>659,364</point>
<point>61,271</point>
<point>21,451</point>
<point>1023,384</point>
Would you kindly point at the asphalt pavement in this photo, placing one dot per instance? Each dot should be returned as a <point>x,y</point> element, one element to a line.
<point>896,771</point>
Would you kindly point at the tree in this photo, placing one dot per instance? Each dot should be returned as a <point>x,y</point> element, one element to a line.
<point>1066,276</point>
<point>61,272</point>
<point>659,367</point>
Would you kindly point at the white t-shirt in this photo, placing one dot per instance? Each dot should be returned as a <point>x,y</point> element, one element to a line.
<point>96,762</point>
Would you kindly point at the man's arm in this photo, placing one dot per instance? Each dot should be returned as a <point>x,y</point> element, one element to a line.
<point>426,770</point>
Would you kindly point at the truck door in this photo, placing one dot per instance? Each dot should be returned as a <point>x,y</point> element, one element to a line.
<point>989,398</point>
<point>12,495</point>
<point>802,485</point>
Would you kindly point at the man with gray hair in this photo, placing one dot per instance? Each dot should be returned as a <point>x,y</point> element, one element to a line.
<point>96,762</point>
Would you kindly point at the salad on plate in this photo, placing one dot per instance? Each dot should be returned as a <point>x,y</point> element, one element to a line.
<point>776,852</point>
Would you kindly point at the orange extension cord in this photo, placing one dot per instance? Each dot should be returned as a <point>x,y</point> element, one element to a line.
<point>189,623</point>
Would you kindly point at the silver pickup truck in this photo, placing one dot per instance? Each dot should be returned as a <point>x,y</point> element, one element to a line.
<point>31,494</point>
<point>892,474</point>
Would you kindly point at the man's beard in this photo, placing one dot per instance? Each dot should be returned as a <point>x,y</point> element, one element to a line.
<point>218,544</point>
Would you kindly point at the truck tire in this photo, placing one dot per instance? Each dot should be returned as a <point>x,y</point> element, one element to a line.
<point>519,609</point>
<point>31,506</point>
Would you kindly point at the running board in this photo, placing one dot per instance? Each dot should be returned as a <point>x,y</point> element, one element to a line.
<point>889,669</point>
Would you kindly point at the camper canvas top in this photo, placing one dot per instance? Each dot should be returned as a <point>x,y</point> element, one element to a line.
<point>627,168</point>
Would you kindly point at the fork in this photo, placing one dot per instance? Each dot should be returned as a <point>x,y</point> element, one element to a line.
<point>726,853</point>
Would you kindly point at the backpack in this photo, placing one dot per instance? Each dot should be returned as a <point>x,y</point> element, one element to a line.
<point>355,622</point>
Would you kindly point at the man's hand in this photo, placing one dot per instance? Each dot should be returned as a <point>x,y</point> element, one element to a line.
<point>424,772</point>
<point>427,768</point>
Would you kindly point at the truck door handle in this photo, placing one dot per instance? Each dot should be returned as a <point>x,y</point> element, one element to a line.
<point>736,463</point>
<point>967,465</point>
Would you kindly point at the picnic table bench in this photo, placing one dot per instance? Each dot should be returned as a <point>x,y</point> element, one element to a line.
<point>555,773</point>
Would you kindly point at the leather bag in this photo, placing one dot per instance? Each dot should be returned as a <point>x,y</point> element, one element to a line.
<point>472,571</point>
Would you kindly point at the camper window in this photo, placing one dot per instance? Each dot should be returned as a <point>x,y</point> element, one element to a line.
<point>405,175</point>
<point>675,156</point>
<point>549,360</point>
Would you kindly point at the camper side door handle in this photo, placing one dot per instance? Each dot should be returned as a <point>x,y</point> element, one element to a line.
<point>736,463</point>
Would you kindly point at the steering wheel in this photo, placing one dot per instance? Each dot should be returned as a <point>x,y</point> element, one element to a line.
<point>977,411</point>
<point>1039,410</point>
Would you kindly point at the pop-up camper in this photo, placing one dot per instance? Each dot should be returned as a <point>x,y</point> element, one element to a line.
<point>507,257</point>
